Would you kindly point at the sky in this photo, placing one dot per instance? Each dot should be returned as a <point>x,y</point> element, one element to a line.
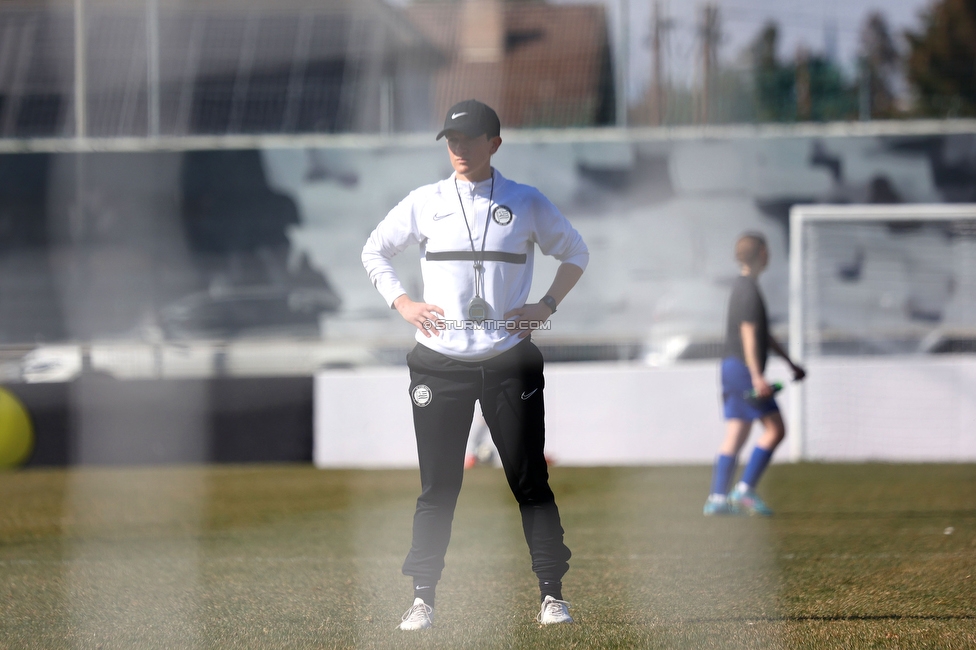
<point>818,26</point>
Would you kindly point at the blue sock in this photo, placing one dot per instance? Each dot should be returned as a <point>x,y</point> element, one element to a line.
<point>722,474</point>
<point>757,465</point>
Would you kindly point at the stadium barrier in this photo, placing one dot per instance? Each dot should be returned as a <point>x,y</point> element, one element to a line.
<point>596,414</point>
<point>96,419</point>
<point>904,409</point>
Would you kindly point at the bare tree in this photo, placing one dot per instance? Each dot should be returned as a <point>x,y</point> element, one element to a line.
<point>881,63</point>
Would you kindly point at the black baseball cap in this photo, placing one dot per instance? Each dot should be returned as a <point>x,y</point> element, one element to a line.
<point>471,118</point>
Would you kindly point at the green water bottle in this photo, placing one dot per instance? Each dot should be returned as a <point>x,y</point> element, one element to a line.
<point>750,394</point>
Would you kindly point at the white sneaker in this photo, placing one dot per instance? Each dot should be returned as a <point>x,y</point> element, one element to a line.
<point>554,611</point>
<point>420,616</point>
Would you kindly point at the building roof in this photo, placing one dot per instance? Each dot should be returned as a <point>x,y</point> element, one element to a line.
<point>536,64</point>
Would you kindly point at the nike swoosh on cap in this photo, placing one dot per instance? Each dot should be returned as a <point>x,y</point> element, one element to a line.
<point>528,395</point>
<point>457,115</point>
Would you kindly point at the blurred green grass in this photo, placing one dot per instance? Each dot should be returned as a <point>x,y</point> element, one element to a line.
<point>857,556</point>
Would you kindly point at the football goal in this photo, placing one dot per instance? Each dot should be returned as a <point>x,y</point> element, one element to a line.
<point>883,315</point>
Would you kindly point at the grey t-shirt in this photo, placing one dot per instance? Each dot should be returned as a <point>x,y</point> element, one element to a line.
<point>746,305</point>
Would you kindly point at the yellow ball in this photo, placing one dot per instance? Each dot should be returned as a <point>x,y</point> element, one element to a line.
<point>16,431</point>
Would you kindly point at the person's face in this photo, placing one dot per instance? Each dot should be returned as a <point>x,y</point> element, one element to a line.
<point>471,157</point>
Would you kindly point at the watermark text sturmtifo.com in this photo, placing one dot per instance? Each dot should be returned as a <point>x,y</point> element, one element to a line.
<point>442,324</point>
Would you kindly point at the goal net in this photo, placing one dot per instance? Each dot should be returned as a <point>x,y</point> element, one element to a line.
<point>883,316</point>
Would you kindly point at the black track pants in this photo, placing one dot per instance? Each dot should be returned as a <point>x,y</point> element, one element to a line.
<point>510,388</point>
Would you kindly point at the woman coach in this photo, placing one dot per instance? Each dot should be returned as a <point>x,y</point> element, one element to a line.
<point>477,232</point>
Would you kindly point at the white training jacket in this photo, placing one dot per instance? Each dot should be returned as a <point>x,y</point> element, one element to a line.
<point>433,216</point>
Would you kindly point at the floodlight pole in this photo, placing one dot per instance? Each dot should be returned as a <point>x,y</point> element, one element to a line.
<point>152,65</point>
<point>657,83</point>
<point>622,60</point>
<point>81,93</point>
<point>77,219</point>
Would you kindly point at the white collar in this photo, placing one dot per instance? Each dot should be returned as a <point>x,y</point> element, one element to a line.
<point>477,188</point>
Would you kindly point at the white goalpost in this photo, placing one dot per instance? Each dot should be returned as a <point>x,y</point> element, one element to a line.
<point>882,312</point>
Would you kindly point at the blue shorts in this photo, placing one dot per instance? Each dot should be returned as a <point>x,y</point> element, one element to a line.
<point>735,382</point>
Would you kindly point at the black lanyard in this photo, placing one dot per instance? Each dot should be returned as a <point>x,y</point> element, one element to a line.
<point>479,267</point>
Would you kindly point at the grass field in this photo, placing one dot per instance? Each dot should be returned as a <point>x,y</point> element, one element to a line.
<point>857,556</point>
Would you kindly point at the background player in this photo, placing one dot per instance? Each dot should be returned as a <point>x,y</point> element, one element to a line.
<point>477,233</point>
<point>747,344</point>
